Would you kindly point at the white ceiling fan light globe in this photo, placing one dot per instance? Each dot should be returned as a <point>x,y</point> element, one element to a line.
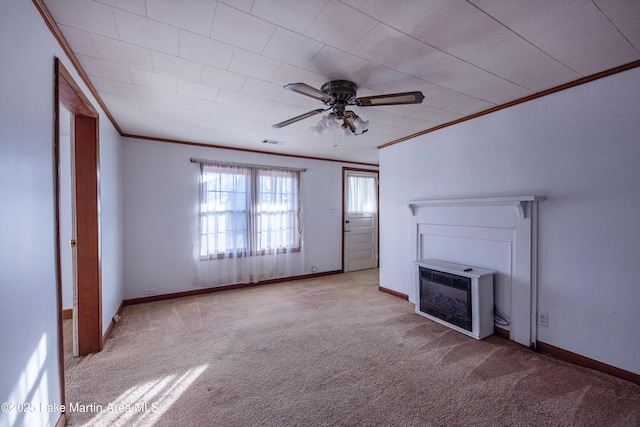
<point>332,123</point>
<point>361,125</point>
<point>345,131</point>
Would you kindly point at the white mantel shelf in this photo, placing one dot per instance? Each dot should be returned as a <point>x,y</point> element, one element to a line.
<point>518,201</point>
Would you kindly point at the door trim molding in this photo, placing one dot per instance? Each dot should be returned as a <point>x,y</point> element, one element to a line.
<point>344,170</point>
<point>86,155</point>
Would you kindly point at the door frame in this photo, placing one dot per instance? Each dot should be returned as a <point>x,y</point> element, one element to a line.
<point>88,293</point>
<point>344,172</point>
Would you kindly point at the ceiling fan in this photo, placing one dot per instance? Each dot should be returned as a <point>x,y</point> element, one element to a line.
<point>337,94</point>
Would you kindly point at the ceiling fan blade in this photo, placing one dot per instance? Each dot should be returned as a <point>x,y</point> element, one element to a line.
<point>297,118</point>
<point>305,89</point>
<point>390,99</point>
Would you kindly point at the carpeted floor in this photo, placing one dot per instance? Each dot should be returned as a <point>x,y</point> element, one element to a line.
<point>331,351</point>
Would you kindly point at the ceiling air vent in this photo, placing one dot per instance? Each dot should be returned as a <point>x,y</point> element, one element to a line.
<point>272,141</point>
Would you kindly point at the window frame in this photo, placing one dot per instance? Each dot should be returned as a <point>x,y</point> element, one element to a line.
<point>252,176</point>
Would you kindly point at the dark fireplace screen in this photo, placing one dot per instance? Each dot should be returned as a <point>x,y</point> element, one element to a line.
<point>446,296</point>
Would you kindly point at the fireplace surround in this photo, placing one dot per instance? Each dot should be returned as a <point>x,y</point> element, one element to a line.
<point>458,296</point>
<point>496,232</point>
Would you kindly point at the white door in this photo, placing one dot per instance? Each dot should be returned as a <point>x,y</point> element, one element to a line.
<point>360,220</point>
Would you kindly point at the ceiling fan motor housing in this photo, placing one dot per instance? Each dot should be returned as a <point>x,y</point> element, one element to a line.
<point>342,91</point>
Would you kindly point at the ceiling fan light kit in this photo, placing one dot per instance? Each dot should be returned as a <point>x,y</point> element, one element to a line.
<point>352,124</point>
<point>336,95</point>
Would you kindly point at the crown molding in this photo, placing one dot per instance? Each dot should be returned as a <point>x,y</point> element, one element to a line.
<point>537,95</point>
<point>48,19</point>
<point>247,150</point>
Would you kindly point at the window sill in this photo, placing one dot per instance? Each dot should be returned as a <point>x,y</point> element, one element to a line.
<point>213,257</point>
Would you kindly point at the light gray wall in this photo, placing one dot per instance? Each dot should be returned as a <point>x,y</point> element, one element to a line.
<point>29,330</point>
<point>110,220</point>
<point>66,204</point>
<point>160,202</point>
<point>580,148</point>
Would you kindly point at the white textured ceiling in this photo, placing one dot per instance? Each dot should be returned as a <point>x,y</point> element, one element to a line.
<point>213,72</point>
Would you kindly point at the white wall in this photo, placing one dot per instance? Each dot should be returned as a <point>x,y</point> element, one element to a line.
<point>65,203</point>
<point>29,330</point>
<point>160,202</point>
<point>580,148</point>
<point>110,220</point>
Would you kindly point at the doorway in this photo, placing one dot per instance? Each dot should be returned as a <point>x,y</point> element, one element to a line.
<point>77,216</point>
<point>360,219</point>
<point>66,226</point>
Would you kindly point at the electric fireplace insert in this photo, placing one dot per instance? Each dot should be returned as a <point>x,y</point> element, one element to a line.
<point>455,295</point>
<point>446,296</point>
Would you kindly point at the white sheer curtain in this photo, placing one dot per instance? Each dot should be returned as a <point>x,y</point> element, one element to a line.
<point>363,194</point>
<point>250,224</point>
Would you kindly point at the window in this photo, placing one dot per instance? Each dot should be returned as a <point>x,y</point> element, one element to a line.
<point>362,195</point>
<point>248,210</point>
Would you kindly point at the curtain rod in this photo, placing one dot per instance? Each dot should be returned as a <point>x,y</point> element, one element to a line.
<point>194,160</point>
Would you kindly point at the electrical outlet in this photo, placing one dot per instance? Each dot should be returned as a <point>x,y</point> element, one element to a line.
<point>543,319</point>
<point>150,291</point>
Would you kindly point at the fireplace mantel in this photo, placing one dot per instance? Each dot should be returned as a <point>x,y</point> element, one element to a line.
<point>495,232</point>
<point>518,201</point>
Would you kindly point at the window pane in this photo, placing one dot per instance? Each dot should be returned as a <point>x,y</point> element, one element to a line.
<point>362,194</point>
<point>276,207</point>
<point>224,210</point>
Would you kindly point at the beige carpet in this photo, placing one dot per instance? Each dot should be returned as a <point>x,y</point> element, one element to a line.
<point>331,351</point>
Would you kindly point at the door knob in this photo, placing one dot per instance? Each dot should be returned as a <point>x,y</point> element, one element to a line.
<point>72,243</point>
